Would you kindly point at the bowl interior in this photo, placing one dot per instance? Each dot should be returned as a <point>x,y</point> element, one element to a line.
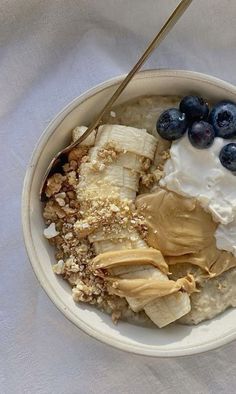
<point>170,341</point>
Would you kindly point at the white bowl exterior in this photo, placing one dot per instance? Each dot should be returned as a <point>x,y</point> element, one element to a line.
<point>175,340</point>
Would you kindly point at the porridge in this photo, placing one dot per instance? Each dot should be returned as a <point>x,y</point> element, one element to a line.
<point>143,217</point>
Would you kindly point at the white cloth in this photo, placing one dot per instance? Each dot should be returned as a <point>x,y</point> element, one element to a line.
<point>50,52</point>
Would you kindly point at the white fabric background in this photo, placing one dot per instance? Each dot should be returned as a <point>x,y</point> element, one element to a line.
<point>50,52</point>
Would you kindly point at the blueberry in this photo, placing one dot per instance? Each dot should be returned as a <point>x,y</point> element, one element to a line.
<point>201,134</point>
<point>194,107</point>
<point>223,119</point>
<point>172,124</point>
<point>228,156</point>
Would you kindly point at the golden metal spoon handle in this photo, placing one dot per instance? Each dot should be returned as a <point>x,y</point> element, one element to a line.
<point>171,21</point>
<point>169,24</point>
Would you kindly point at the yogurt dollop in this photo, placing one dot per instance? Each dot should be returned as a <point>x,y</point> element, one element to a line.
<point>199,173</point>
<point>226,237</point>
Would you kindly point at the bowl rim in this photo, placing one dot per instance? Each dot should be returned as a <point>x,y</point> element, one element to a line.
<point>25,217</point>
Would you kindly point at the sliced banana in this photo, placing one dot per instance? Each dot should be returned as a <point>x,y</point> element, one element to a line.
<point>127,160</point>
<point>100,235</point>
<point>128,139</point>
<point>137,304</point>
<point>119,244</point>
<point>129,271</point>
<point>165,310</point>
<point>93,191</point>
<point>122,177</point>
<point>111,175</point>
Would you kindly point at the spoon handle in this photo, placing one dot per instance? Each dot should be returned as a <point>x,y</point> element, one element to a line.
<point>168,25</point>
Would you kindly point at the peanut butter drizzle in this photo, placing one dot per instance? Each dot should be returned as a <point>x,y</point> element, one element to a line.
<point>184,233</point>
<point>142,288</point>
<point>149,288</point>
<point>130,257</point>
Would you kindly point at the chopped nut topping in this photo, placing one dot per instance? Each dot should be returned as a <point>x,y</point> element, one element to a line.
<point>113,114</point>
<point>109,152</point>
<point>50,231</point>
<point>114,208</point>
<point>78,153</point>
<point>145,163</point>
<point>54,184</point>
<point>165,154</point>
<point>147,180</point>
<point>158,174</point>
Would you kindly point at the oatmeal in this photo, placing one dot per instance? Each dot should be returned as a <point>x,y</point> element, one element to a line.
<point>155,257</point>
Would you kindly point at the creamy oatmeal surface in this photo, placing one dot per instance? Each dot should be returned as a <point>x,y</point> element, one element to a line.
<point>151,258</point>
<point>141,112</point>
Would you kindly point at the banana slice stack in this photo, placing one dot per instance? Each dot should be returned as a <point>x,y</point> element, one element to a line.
<point>142,268</point>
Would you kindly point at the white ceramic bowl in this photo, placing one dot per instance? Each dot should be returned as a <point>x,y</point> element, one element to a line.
<point>175,340</point>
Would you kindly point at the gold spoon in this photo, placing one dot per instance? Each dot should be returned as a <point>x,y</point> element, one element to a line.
<point>61,157</point>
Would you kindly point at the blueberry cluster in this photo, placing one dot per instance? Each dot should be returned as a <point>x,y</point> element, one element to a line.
<point>202,126</point>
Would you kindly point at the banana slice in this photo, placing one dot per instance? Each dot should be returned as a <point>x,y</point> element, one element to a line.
<point>100,235</point>
<point>165,310</point>
<point>131,271</point>
<point>137,304</point>
<point>138,272</point>
<point>111,175</point>
<point>93,191</point>
<point>127,160</point>
<point>119,244</point>
<point>129,139</point>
